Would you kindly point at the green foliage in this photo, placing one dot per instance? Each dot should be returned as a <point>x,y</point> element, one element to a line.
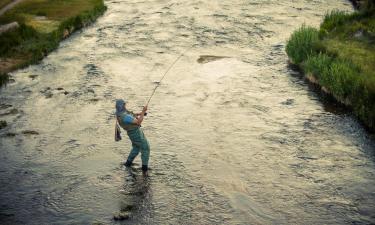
<point>301,44</point>
<point>333,19</point>
<point>345,25</point>
<point>341,58</point>
<point>10,40</point>
<point>317,64</point>
<point>364,96</point>
<point>338,76</point>
<point>27,44</point>
<point>58,10</point>
<point>341,75</point>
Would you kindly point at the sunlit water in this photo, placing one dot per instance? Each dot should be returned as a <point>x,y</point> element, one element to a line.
<point>235,139</point>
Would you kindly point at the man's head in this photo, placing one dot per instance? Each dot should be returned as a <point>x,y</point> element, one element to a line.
<point>120,106</point>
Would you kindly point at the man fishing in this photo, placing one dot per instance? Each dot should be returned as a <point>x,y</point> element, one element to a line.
<point>132,124</point>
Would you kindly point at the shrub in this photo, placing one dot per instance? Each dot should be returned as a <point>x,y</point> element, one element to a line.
<point>301,44</point>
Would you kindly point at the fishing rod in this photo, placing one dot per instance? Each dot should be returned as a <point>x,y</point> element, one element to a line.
<point>166,72</point>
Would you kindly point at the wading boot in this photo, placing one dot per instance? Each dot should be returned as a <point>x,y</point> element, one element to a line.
<point>145,170</point>
<point>128,163</point>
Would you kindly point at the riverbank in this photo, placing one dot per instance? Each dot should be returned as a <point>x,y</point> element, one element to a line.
<point>361,4</point>
<point>42,25</point>
<point>340,58</point>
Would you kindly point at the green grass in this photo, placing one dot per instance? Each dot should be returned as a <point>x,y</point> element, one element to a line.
<point>15,38</point>
<point>58,10</point>
<point>318,65</point>
<point>301,43</point>
<point>42,26</point>
<point>360,53</point>
<point>341,57</point>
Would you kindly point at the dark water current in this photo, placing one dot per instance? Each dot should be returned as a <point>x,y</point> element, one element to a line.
<point>235,137</point>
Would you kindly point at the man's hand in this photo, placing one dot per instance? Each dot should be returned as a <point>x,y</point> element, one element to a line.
<point>139,118</point>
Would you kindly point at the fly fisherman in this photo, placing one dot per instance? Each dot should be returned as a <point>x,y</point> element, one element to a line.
<point>132,124</point>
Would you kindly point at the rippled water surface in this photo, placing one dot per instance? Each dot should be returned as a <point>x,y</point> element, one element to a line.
<point>236,136</point>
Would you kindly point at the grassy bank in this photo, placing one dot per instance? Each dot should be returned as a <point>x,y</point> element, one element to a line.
<point>340,57</point>
<point>4,3</point>
<point>43,24</point>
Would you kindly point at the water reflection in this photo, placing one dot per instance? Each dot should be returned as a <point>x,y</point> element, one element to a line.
<point>136,196</point>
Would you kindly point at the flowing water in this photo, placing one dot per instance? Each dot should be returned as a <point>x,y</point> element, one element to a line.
<point>236,136</point>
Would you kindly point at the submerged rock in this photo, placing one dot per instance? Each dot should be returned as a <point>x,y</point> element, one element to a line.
<point>98,223</point>
<point>121,216</point>
<point>289,101</point>
<point>94,100</point>
<point>48,95</point>
<point>33,76</point>
<point>5,106</point>
<point>11,112</point>
<point>47,92</point>
<point>127,208</point>
<point>3,124</point>
<point>209,58</point>
<point>30,132</point>
<point>10,134</point>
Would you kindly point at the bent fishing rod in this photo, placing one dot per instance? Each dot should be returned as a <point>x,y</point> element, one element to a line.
<point>166,72</point>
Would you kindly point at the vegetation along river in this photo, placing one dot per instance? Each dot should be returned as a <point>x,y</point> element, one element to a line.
<point>236,136</point>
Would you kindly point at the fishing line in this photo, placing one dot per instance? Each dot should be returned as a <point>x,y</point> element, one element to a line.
<point>166,72</point>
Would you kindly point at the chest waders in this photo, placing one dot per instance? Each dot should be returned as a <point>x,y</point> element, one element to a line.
<point>138,140</point>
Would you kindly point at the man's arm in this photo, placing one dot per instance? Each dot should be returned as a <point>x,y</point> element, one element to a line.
<point>140,116</point>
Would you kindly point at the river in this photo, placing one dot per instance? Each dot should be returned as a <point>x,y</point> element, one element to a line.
<point>237,137</point>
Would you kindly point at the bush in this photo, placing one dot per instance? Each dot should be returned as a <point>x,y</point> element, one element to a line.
<point>301,44</point>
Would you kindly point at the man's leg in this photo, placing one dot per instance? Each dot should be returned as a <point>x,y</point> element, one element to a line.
<point>145,154</point>
<point>133,153</point>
